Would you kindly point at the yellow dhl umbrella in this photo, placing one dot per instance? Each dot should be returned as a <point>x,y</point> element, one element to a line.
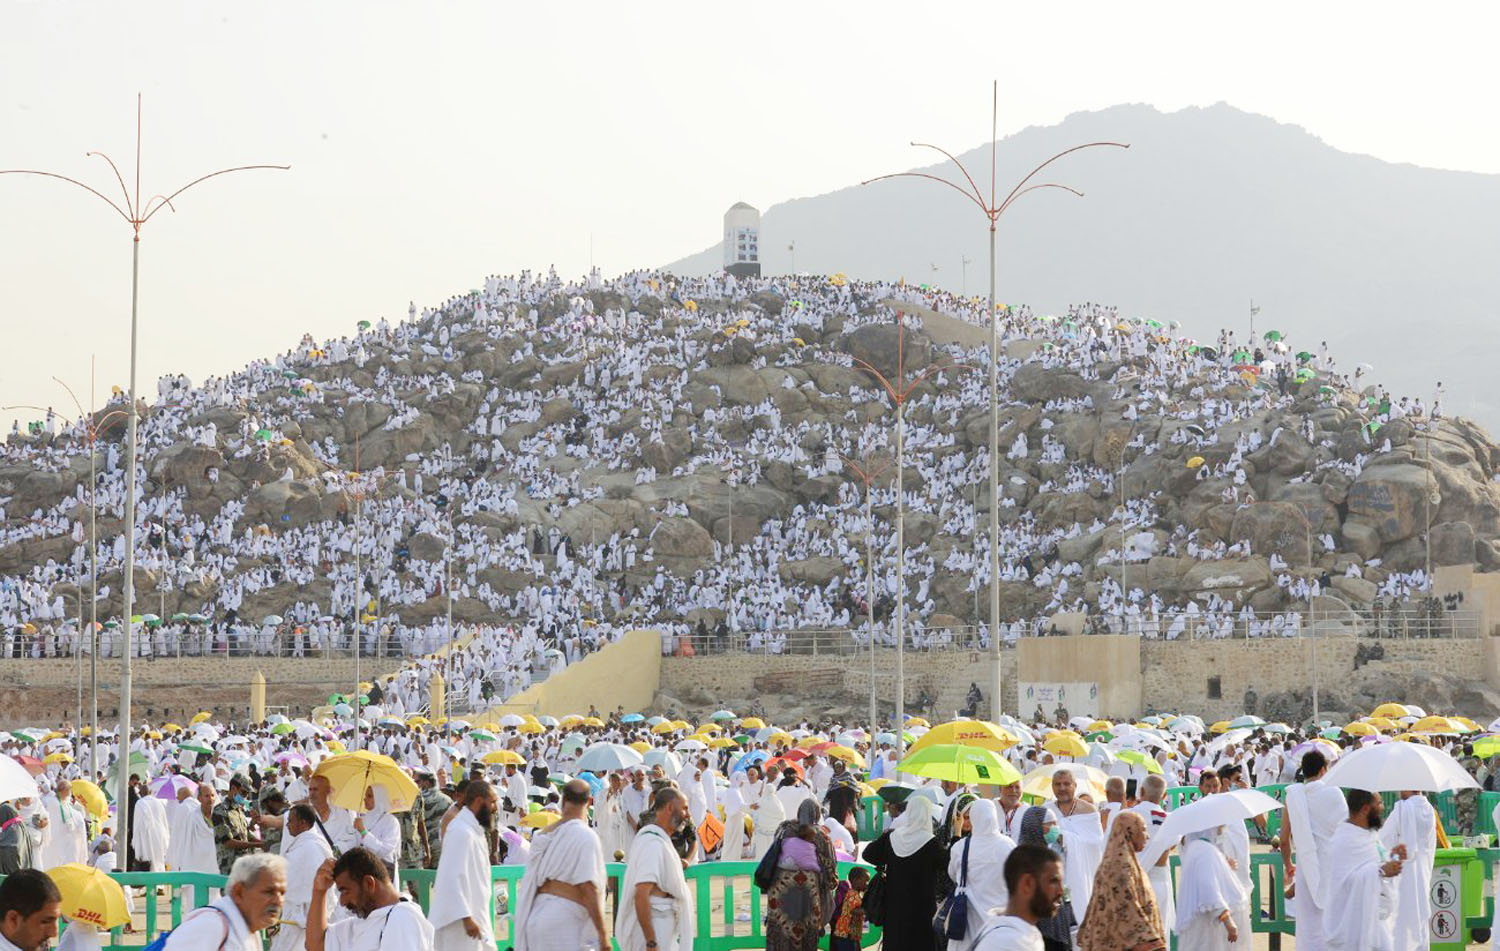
<point>682,724</point>
<point>92,798</point>
<point>89,896</point>
<point>752,723</point>
<point>1221,727</point>
<point>1393,710</point>
<point>504,758</point>
<point>710,728</point>
<point>1099,725</point>
<point>595,722</point>
<point>808,742</point>
<point>336,745</point>
<point>1059,745</point>
<point>641,746</point>
<point>540,819</point>
<point>531,728</point>
<point>779,737</point>
<point>1382,724</point>
<point>58,758</point>
<point>54,735</point>
<point>1470,725</point>
<point>571,719</point>
<point>666,726</point>
<point>351,774</point>
<point>153,735</point>
<point>1090,779</point>
<point>1066,732</point>
<point>979,733</point>
<point>200,716</point>
<point>166,728</point>
<point>721,743</point>
<point>1406,738</point>
<point>531,718</point>
<point>1439,725</point>
<point>917,721</point>
<point>417,721</point>
<point>1360,729</point>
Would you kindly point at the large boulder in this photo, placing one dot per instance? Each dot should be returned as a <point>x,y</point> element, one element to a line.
<point>1392,499</point>
<point>1035,383</point>
<point>1274,528</point>
<point>1234,578</point>
<point>1453,544</point>
<point>879,345</point>
<point>678,537</point>
<point>425,546</point>
<point>282,505</point>
<point>818,571</point>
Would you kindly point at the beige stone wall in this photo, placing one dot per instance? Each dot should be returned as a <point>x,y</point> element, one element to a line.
<point>1133,675</point>
<point>42,692</point>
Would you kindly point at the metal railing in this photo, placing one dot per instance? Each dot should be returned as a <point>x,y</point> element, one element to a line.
<point>819,642</point>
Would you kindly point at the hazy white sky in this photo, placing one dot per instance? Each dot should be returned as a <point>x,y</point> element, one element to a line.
<point>435,143</point>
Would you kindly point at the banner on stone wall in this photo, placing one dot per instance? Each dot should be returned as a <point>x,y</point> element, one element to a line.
<point>1078,699</point>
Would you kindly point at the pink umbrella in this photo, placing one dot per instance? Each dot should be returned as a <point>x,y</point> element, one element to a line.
<point>167,786</point>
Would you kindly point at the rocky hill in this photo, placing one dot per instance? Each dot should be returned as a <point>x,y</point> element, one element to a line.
<point>686,444</point>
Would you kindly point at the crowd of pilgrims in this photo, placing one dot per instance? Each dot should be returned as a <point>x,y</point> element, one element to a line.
<point>586,591</point>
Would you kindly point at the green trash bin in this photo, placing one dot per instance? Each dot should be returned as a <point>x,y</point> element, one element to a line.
<point>1456,894</point>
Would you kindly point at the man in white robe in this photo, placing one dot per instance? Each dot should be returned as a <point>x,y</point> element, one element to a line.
<point>1160,874</point>
<point>1082,839</point>
<point>1360,915</point>
<point>460,907</point>
<point>560,900</point>
<point>192,833</point>
<point>1412,823</point>
<point>67,835</point>
<point>656,908</point>
<point>1314,811</point>
<point>306,851</point>
<point>149,832</point>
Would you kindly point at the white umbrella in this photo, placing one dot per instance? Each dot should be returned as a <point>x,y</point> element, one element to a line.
<point>1391,767</point>
<point>668,761</point>
<point>690,746</point>
<point>511,719</point>
<point>1232,736</point>
<point>15,782</point>
<point>1207,813</point>
<point>603,757</point>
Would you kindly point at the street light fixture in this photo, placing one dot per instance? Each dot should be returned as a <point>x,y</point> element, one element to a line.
<point>992,209</point>
<point>136,214</point>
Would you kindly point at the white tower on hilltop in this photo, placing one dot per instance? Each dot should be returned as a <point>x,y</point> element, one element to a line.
<point>742,240</point>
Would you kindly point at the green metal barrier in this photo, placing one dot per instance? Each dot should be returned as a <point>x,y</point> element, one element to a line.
<point>1267,898</point>
<point>1276,791</point>
<point>176,883</point>
<point>1484,814</point>
<point>1179,796</point>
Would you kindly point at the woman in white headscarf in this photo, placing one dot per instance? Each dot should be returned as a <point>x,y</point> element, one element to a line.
<point>911,858</point>
<point>735,810</point>
<point>379,831</point>
<point>1208,895</point>
<point>765,810</point>
<point>986,848</point>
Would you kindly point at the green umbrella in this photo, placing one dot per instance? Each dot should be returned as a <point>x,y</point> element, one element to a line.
<point>960,764</point>
<point>481,736</point>
<point>743,738</point>
<point>1304,356</point>
<point>1272,336</point>
<point>1101,736</point>
<point>281,729</point>
<point>1153,323</point>
<point>363,325</point>
<point>263,434</point>
<point>194,748</point>
<point>1137,758</point>
<point>289,374</point>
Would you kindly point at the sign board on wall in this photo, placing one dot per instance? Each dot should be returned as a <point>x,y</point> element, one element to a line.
<point>1078,698</point>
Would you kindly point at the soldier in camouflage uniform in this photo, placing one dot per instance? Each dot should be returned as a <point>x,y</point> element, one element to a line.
<point>270,818</point>
<point>232,826</point>
<point>433,806</point>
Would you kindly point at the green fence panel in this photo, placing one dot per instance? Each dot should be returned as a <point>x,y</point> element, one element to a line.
<point>1276,791</point>
<point>195,884</point>
<point>1484,815</point>
<point>1179,796</point>
<point>870,818</point>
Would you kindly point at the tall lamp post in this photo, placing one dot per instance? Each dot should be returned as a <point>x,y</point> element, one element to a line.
<point>135,214</point>
<point>992,209</point>
<point>868,475</point>
<point>900,392</point>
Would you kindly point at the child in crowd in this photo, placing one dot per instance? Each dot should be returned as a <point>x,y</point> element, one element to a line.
<point>849,912</point>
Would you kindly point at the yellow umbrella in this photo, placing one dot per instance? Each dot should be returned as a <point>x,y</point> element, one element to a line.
<point>92,798</point>
<point>1393,710</point>
<point>531,718</point>
<point>351,774</point>
<point>365,685</point>
<point>1438,725</point>
<point>570,720</point>
<point>57,758</point>
<point>200,716</point>
<point>678,724</point>
<point>875,784</point>
<point>980,733</point>
<point>152,735</point>
<point>846,754</point>
<point>710,728</point>
<point>531,728</point>
<point>917,721</point>
<point>641,746</point>
<point>504,758</point>
<point>417,721</point>
<point>1360,729</point>
<point>1090,780</point>
<point>666,726</point>
<point>752,723</point>
<point>1059,745</point>
<point>1073,733</point>
<point>1221,727</point>
<point>1383,724</point>
<point>1470,724</point>
<point>53,736</point>
<point>721,743</point>
<point>779,737</point>
<point>1098,725</point>
<point>336,745</point>
<point>808,742</point>
<point>89,896</point>
<point>540,819</point>
<point>1195,462</point>
<point>595,722</point>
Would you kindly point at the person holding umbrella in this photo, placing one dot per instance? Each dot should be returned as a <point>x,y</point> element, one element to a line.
<point>1361,913</point>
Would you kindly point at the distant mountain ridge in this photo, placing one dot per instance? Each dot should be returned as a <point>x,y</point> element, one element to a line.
<point>1391,264</point>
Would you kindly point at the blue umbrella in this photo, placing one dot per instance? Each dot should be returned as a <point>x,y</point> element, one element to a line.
<point>632,718</point>
<point>753,758</point>
<point>595,783</point>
